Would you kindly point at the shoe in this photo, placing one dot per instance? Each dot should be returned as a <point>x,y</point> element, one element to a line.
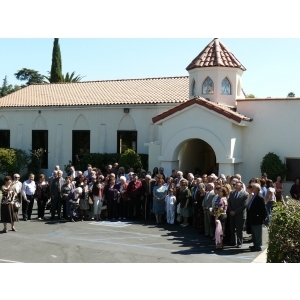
<point>40,219</point>
<point>255,249</point>
<point>13,229</point>
<point>239,246</point>
<point>4,231</point>
<point>52,218</point>
<point>29,218</point>
<point>72,220</point>
<point>184,225</point>
<point>124,218</point>
<point>181,225</point>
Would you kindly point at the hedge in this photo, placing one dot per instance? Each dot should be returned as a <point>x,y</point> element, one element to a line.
<point>284,233</point>
<point>101,160</point>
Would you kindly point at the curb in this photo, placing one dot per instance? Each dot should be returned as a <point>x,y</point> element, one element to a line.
<point>262,258</point>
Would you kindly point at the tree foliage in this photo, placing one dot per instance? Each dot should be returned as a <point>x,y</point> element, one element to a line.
<point>71,77</point>
<point>284,233</point>
<point>130,159</point>
<point>56,67</point>
<point>30,76</point>
<point>12,161</point>
<point>273,166</point>
<point>250,96</point>
<point>6,88</point>
<point>291,94</point>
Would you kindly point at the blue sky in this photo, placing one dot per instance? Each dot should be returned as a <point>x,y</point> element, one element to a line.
<point>273,65</point>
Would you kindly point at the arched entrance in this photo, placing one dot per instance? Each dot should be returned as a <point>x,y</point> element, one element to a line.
<point>197,156</point>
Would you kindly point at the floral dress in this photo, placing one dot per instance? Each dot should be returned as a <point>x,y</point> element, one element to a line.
<point>84,198</point>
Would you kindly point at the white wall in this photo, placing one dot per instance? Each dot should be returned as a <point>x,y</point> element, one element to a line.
<point>274,129</point>
<point>217,74</point>
<point>61,121</point>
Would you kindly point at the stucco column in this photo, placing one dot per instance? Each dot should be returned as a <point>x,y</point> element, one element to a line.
<point>58,145</point>
<point>169,166</point>
<point>226,169</point>
<point>153,154</point>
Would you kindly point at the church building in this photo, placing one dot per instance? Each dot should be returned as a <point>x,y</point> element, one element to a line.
<point>202,120</point>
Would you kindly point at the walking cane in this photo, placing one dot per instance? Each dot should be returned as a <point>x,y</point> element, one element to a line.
<point>146,207</point>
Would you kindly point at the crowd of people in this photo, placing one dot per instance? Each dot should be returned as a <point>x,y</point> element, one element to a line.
<point>221,208</point>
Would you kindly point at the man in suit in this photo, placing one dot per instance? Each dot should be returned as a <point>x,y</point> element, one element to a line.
<point>237,204</point>
<point>148,184</point>
<point>257,213</point>
<point>56,186</point>
<point>207,208</point>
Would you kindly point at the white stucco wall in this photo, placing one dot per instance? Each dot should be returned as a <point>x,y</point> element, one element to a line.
<point>197,122</point>
<point>273,129</point>
<point>217,74</point>
<point>103,123</point>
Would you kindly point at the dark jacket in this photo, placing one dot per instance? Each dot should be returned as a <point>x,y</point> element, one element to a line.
<point>256,213</point>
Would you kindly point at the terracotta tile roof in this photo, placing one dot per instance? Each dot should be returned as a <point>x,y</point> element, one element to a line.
<point>215,54</point>
<point>110,92</point>
<point>220,109</point>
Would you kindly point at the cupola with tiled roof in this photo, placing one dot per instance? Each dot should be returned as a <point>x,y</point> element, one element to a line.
<point>216,75</point>
<point>215,54</point>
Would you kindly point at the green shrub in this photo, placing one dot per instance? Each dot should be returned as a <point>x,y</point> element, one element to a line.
<point>273,166</point>
<point>130,159</point>
<point>98,160</point>
<point>12,161</point>
<point>284,233</point>
<point>101,160</point>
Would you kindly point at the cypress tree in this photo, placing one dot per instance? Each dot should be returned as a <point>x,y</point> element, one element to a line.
<point>56,70</point>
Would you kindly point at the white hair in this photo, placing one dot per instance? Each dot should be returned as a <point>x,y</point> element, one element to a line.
<point>180,173</point>
<point>78,190</point>
<point>148,176</point>
<point>123,178</point>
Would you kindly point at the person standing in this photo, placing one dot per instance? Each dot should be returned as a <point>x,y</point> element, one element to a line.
<point>257,213</point>
<point>170,206</point>
<point>42,194</point>
<point>237,204</point>
<point>278,188</point>
<point>56,187</point>
<point>159,194</point>
<point>135,191</point>
<point>8,213</point>
<point>17,186</point>
<point>28,191</point>
<point>207,208</point>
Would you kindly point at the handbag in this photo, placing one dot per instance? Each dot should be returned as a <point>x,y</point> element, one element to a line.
<point>17,205</point>
<point>91,201</point>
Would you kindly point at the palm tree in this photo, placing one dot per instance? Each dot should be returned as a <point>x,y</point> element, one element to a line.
<point>67,77</point>
<point>72,78</point>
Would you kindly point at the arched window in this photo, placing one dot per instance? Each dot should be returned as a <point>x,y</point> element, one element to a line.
<point>208,86</point>
<point>226,87</point>
<point>194,88</point>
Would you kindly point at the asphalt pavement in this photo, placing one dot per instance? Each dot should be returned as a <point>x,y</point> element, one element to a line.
<point>115,242</point>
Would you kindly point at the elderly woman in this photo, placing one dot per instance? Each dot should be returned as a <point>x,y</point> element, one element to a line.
<point>42,194</point>
<point>84,200</point>
<point>123,199</point>
<point>8,213</point>
<point>97,191</point>
<point>159,194</point>
<point>65,191</point>
<point>184,198</point>
<point>73,199</point>
<point>111,194</point>
<point>219,211</point>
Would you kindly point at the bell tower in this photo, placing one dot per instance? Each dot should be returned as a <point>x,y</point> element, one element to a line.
<point>216,74</point>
